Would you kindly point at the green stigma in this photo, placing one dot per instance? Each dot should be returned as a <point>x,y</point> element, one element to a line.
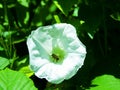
<point>58,55</point>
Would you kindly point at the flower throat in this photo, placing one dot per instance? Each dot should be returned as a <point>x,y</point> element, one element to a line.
<point>58,55</point>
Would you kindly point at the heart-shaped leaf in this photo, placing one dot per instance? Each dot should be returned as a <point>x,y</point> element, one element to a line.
<point>13,80</point>
<point>105,82</point>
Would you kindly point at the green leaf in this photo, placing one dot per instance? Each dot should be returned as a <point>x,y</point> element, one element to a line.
<point>41,15</point>
<point>57,19</point>
<point>1,6</point>
<point>23,17</point>
<point>22,65</point>
<point>92,17</point>
<point>65,5</point>
<point>25,3</point>
<point>1,48</point>
<point>26,70</point>
<point>105,82</point>
<point>116,16</point>
<point>3,62</point>
<point>13,80</point>
<point>8,34</point>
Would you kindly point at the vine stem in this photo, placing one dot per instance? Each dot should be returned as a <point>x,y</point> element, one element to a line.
<point>5,13</point>
<point>8,45</point>
<point>105,29</point>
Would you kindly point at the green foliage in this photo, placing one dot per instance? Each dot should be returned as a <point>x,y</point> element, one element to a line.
<point>105,82</point>
<point>3,62</point>
<point>116,16</point>
<point>13,80</point>
<point>98,27</point>
<point>63,5</point>
<point>92,20</point>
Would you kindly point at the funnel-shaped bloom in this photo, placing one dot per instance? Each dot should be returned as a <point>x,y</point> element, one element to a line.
<point>55,51</point>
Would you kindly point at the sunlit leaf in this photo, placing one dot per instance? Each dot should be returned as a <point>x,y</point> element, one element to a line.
<point>57,19</point>
<point>75,13</point>
<point>65,5</point>
<point>26,18</point>
<point>1,6</point>
<point>13,80</point>
<point>105,82</point>
<point>116,16</point>
<point>3,62</point>
<point>25,3</point>
<point>8,34</point>
<point>1,48</point>
<point>22,61</point>
<point>26,70</point>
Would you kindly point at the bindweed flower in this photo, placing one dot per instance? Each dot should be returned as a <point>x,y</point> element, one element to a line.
<point>55,51</point>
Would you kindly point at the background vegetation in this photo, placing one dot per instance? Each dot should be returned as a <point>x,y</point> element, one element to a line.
<point>98,27</point>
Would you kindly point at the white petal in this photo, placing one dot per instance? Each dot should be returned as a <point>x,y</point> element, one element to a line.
<point>72,64</point>
<point>38,55</point>
<point>57,73</point>
<point>51,72</point>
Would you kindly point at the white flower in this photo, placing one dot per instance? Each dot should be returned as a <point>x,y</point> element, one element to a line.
<point>55,51</point>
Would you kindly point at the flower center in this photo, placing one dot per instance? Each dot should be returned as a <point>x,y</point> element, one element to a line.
<point>58,55</point>
<point>55,57</point>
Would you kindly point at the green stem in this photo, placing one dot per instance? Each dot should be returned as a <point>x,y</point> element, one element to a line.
<point>4,45</point>
<point>8,44</point>
<point>5,13</point>
<point>105,38</point>
<point>105,35</point>
<point>100,45</point>
<point>105,28</point>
